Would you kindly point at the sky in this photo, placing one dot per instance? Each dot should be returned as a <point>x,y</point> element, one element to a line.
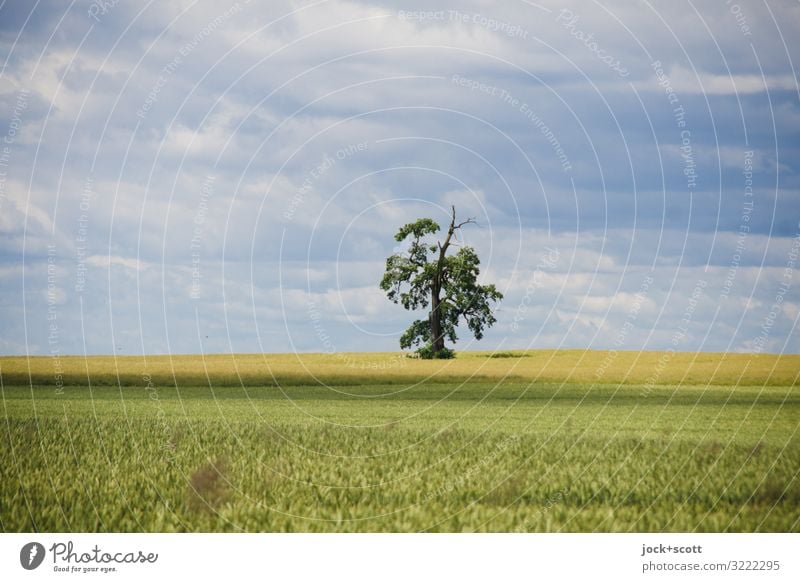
<point>198,177</point>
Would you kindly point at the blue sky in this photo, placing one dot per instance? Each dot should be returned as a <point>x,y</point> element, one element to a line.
<point>193,177</point>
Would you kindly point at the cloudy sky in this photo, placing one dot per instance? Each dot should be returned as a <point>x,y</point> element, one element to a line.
<point>222,176</point>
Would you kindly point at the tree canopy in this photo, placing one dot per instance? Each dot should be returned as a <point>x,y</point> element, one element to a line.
<point>424,275</point>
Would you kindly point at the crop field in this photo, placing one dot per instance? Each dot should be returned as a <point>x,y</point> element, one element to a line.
<point>511,442</point>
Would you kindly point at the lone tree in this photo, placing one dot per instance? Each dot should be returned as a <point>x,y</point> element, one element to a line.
<point>425,275</point>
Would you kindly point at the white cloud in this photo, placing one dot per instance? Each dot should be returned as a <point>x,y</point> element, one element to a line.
<point>686,81</point>
<point>106,261</point>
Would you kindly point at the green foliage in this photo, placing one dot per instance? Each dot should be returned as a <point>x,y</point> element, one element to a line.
<point>411,268</point>
<point>463,298</point>
<point>427,352</point>
<point>417,229</point>
<point>425,275</point>
<point>418,333</point>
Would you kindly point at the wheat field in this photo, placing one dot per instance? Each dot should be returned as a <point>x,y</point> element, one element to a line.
<point>529,441</point>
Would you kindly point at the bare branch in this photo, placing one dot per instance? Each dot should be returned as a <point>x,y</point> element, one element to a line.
<point>467,221</point>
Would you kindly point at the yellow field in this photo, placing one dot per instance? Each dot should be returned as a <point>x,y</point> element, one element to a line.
<point>570,366</point>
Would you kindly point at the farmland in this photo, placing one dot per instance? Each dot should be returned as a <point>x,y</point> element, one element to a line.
<point>516,441</point>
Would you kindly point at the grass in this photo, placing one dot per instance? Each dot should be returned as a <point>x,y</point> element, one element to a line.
<point>552,441</point>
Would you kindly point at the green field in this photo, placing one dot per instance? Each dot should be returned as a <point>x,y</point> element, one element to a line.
<point>529,441</point>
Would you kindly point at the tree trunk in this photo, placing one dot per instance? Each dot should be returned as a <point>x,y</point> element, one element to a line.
<point>437,337</point>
